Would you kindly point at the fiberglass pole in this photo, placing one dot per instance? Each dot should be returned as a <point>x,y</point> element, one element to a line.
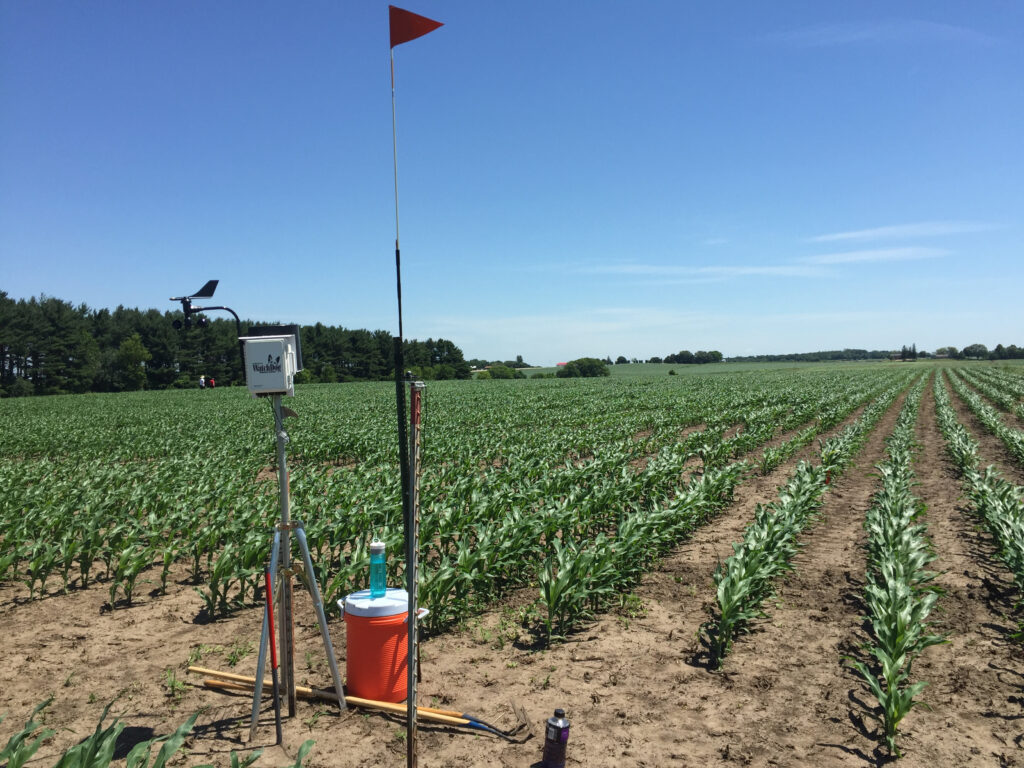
<point>403,446</point>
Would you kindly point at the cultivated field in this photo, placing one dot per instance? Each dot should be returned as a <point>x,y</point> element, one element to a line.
<point>799,565</point>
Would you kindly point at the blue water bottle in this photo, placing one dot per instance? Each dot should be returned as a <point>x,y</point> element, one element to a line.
<point>378,570</point>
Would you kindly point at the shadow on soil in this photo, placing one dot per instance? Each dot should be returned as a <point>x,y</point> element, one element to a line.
<point>878,756</point>
<point>129,737</point>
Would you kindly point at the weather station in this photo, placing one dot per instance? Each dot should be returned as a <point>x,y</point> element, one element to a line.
<point>272,356</point>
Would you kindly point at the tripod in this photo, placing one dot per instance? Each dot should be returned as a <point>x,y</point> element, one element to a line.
<point>281,568</point>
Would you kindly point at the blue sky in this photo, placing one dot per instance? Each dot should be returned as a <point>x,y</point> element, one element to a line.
<point>576,178</point>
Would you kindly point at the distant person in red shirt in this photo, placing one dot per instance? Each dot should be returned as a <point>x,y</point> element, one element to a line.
<point>213,382</point>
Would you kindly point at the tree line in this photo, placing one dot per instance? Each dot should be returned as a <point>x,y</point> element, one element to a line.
<point>981,352</point>
<point>686,357</point>
<point>970,352</point>
<point>49,346</point>
<point>817,357</point>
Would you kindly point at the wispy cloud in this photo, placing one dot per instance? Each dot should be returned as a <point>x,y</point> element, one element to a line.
<point>878,254</point>
<point>714,272</point>
<point>880,32</point>
<point>920,229</point>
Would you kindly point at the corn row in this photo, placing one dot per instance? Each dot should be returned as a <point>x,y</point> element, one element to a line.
<point>1007,382</point>
<point>121,501</point>
<point>604,536</point>
<point>1012,438</point>
<point>992,389</point>
<point>998,503</point>
<point>487,532</point>
<point>899,593</point>
<point>579,579</point>
<point>748,576</point>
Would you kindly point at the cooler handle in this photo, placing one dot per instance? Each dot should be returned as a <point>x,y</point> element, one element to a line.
<point>422,613</point>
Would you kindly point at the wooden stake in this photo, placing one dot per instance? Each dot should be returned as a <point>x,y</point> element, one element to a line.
<point>246,684</point>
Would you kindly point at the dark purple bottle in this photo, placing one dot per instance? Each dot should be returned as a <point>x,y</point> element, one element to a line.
<point>556,736</point>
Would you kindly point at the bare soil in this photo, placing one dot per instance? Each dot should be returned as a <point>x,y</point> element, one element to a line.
<point>635,683</point>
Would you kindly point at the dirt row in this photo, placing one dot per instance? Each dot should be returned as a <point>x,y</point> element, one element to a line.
<point>634,683</point>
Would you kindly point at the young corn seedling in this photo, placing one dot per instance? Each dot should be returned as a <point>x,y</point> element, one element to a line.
<point>22,745</point>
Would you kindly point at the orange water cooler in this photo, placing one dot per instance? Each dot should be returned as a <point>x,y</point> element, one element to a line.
<point>376,644</point>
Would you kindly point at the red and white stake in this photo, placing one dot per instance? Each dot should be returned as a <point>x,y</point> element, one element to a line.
<point>273,656</point>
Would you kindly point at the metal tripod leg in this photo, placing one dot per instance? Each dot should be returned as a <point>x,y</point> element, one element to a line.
<point>261,662</point>
<point>321,619</point>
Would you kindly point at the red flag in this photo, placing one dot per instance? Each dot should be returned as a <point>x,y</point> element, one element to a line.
<point>406,26</point>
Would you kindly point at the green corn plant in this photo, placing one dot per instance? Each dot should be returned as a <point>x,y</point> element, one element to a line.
<point>9,561</point>
<point>438,587</point>
<point>304,749</point>
<point>90,544</point>
<point>22,745</point>
<point>97,751</point>
<point>244,762</point>
<point>223,576</point>
<point>990,418</point>
<point>894,697</point>
<point>69,547</point>
<point>739,583</point>
<point>252,554</point>
<point>997,503</point>
<point>771,458</point>
<point>168,556</point>
<point>559,586</point>
<point>40,565</point>
<point>714,451</point>
<point>132,562</point>
<point>138,757</point>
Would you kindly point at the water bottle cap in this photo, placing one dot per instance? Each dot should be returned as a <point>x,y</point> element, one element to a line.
<point>376,547</point>
<point>559,713</point>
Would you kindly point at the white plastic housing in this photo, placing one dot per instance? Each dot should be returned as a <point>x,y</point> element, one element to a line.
<point>270,365</point>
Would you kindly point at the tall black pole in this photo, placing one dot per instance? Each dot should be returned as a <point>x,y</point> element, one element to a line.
<point>403,442</point>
